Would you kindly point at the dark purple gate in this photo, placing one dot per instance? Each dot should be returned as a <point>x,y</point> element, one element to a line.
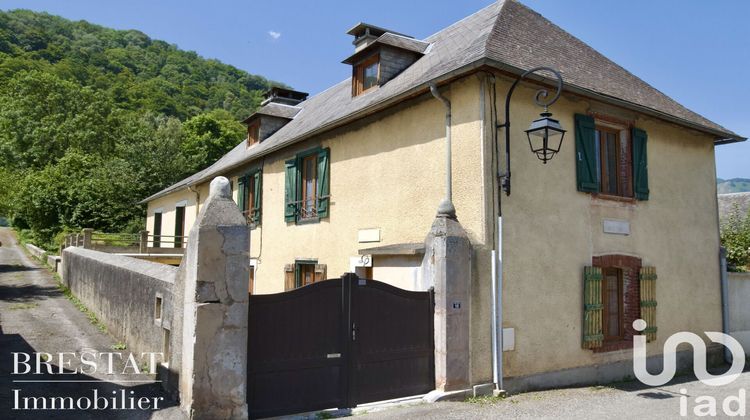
<point>336,344</point>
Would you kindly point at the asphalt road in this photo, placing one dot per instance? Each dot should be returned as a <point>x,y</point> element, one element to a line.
<point>630,400</point>
<point>36,317</point>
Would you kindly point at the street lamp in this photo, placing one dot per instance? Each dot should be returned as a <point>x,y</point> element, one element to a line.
<point>542,133</point>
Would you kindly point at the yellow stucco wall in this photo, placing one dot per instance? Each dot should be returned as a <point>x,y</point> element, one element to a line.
<point>388,173</point>
<point>551,231</point>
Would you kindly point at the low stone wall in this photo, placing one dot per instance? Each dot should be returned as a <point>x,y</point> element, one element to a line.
<point>739,308</point>
<point>123,292</point>
<point>36,251</point>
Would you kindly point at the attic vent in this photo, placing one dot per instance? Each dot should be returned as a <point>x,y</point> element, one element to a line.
<point>380,55</point>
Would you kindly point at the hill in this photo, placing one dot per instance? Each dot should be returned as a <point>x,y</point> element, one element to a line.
<point>734,185</point>
<point>93,119</point>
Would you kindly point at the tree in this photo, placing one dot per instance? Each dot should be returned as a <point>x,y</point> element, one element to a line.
<point>209,136</point>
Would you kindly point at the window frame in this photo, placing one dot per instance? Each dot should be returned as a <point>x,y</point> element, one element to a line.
<point>298,272</point>
<point>312,160</point>
<point>358,76</point>
<point>253,133</point>
<point>620,305</point>
<point>624,174</point>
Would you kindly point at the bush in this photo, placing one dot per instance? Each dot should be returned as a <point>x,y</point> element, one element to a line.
<point>735,238</point>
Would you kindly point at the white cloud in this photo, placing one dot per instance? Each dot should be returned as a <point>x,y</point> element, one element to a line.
<point>274,34</point>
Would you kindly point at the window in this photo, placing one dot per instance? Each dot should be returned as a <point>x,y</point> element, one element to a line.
<point>617,291</point>
<point>611,158</point>
<point>614,161</point>
<point>179,226</point>
<point>157,230</point>
<point>307,186</point>
<point>253,133</point>
<point>250,191</point>
<point>366,75</point>
<point>303,273</point>
<point>308,207</point>
<point>612,301</point>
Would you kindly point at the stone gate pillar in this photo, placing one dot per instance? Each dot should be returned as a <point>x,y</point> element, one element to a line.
<point>212,285</point>
<point>447,267</point>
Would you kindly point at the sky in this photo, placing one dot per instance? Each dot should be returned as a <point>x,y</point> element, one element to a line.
<point>695,51</point>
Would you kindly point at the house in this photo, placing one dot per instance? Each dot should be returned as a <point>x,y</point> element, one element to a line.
<point>623,218</point>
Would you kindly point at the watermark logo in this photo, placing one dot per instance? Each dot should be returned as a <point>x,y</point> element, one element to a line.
<point>699,357</point>
<point>704,405</point>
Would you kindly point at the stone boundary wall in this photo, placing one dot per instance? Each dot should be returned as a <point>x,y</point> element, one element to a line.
<point>122,292</point>
<point>739,308</point>
<point>37,252</point>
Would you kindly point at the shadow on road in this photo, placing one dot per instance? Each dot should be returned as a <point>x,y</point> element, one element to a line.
<point>9,268</point>
<point>27,292</point>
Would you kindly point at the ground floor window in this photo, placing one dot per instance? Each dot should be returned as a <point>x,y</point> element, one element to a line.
<point>617,291</point>
<point>303,273</point>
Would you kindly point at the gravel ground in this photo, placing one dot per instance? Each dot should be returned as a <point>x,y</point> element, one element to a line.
<point>36,317</point>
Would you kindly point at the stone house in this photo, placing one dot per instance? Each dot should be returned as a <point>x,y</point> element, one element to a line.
<point>349,180</point>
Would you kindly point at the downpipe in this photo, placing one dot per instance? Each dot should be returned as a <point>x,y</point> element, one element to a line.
<point>446,208</point>
<point>724,300</point>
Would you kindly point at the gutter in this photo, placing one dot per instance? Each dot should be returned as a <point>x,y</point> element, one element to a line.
<point>446,77</point>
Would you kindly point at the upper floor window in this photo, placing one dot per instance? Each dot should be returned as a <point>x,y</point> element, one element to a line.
<point>250,195</point>
<point>611,158</point>
<point>614,161</point>
<point>307,188</point>
<point>366,75</point>
<point>253,133</point>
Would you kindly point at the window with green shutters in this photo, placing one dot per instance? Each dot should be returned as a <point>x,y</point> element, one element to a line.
<point>307,186</point>
<point>611,158</point>
<point>250,196</point>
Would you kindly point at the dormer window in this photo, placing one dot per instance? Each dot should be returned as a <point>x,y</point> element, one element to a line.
<point>366,75</point>
<point>253,133</point>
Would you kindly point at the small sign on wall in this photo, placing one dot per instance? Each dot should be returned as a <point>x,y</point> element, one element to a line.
<point>368,235</point>
<point>616,227</point>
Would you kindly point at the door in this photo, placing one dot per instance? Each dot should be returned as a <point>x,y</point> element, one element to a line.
<point>157,230</point>
<point>179,226</point>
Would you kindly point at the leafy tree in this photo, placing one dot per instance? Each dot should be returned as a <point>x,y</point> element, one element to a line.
<point>209,136</point>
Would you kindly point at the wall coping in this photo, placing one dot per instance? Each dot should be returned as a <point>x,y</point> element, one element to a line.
<point>152,269</point>
<point>738,276</point>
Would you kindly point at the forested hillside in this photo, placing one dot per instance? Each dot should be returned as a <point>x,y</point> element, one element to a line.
<point>734,185</point>
<point>94,119</point>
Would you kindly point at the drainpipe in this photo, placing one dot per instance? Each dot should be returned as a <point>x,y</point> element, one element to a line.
<point>197,200</point>
<point>446,208</point>
<point>724,300</point>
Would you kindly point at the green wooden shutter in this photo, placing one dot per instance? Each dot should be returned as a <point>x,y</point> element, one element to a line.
<point>241,192</point>
<point>640,164</point>
<point>648,301</point>
<point>586,171</point>
<point>258,196</point>
<point>323,187</point>
<point>290,191</point>
<point>593,333</point>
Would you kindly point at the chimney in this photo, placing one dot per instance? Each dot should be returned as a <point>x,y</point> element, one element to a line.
<point>364,34</point>
<point>284,96</point>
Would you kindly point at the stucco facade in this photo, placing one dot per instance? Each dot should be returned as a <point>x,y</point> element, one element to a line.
<point>387,173</point>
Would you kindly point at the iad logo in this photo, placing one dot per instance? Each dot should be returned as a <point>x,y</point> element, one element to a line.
<point>699,357</point>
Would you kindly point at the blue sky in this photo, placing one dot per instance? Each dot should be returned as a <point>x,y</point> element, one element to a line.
<point>697,52</point>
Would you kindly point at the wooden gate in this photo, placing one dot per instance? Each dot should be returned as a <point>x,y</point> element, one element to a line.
<point>336,344</point>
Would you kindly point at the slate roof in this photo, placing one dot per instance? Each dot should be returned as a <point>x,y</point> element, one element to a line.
<point>506,35</point>
<point>276,110</point>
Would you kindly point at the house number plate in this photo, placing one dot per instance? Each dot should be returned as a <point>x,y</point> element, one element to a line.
<point>333,355</point>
